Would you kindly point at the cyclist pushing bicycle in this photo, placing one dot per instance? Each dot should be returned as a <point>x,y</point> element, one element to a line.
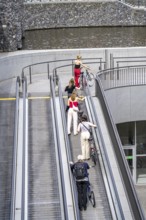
<point>80,171</point>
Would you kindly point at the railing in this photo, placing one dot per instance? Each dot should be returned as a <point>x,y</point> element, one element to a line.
<point>138,3</point>
<point>68,152</point>
<point>14,164</point>
<point>47,67</point>
<point>124,61</point>
<point>123,165</point>
<point>123,76</point>
<point>110,186</point>
<point>24,202</point>
<point>59,161</point>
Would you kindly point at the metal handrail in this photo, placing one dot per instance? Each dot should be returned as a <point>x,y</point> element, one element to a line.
<point>123,76</point>
<point>58,148</point>
<point>68,152</point>
<point>14,164</point>
<point>123,165</point>
<point>56,61</point>
<point>59,67</point>
<point>105,159</point>
<point>23,202</point>
<point>118,68</point>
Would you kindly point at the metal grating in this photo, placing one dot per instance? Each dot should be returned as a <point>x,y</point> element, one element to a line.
<point>43,189</point>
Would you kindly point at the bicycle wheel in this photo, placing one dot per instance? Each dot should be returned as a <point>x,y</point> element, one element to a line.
<point>92,199</point>
<point>93,157</point>
<point>90,79</point>
<point>81,81</point>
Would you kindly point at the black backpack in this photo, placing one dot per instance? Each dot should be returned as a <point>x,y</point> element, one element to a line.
<point>79,171</point>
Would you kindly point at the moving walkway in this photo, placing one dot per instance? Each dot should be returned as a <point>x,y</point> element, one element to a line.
<point>8,145</point>
<point>116,197</point>
<point>45,194</point>
<point>103,202</point>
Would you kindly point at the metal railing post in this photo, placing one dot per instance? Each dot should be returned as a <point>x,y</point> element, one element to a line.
<point>117,70</point>
<point>48,68</point>
<point>72,68</point>
<point>30,75</point>
<point>100,64</point>
<point>111,61</point>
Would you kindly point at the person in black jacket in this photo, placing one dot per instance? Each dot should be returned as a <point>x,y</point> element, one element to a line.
<point>82,181</point>
<point>70,88</point>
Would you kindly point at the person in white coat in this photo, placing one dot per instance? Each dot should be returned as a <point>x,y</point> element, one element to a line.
<point>73,113</point>
<point>84,128</point>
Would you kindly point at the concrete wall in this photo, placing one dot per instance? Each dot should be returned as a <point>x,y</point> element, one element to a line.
<point>16,17</point>
<point>11,13</point>
<point>127,103</point>
<point>11,64</point>
<point>79,14</point>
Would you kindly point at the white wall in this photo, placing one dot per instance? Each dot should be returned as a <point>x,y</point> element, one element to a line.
<point>127,103</point>
<point>11,64</point>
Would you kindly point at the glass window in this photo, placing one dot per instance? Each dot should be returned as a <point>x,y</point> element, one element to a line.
<point>141,137</point>
<point>127,133</point>
<point>141,169</point>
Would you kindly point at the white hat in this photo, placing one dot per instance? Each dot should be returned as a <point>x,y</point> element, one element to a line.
<point>80,157</point>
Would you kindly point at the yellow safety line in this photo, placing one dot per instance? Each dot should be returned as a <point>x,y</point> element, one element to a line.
<point>65,96</point>
<point>44,97</point>
<point>7,99</point>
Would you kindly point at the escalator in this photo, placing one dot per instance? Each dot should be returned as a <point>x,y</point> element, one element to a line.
<point>103,206</point>
<point>7,155</point>
<point>43,186</point>
<point>46,192</point>
<point>7,109</point>
<point>102,209</point>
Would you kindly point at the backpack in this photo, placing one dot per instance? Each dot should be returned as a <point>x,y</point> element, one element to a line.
<point>79,171</point>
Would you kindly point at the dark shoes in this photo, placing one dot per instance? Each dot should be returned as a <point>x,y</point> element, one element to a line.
<point>85,208</point>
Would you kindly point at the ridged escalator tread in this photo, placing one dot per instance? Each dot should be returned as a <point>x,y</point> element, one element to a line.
<point>7,119</point>
<point>102,209</point>
<point>44,200</point>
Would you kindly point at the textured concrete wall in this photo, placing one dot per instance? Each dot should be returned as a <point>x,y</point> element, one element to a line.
<point>81,14</point>
<point>11,12</point>
<point>16,17</point>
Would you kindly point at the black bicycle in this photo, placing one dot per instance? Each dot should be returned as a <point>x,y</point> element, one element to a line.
<point>91,196</point>
<point>86,78</point>
<point>93,151</point>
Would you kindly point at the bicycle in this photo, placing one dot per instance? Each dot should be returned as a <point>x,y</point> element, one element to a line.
<point>93,154</point>
<point>86,78</point>
<point>91,196</point>
<point>93,151</point>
